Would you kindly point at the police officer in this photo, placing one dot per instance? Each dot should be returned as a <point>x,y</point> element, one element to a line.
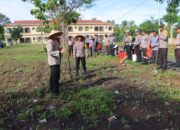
<point>177,47</point>
<point>128,44</point>
<point>144,45</point>
<point>137,44</point>
<point>163,48</point>
<point>79,53</point>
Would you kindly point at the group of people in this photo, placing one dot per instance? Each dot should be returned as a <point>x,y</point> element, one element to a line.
<point>80,47</point>
<point>93,45</point>
<point>155,43</point>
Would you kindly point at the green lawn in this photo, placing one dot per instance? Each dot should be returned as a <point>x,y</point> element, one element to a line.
<point>144,100</point>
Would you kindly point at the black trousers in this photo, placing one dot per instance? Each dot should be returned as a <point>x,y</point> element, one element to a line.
<point>177,56</point>
<point>108,50</point>
<point>129,52</point>
<point>138,52</point>
<point>83,61</point>
<point>91,51</point>
<point>54,79</point>
<point>70,48</point>
<point>154,56</point>
<point>163,53</point>
<point>144,51</point>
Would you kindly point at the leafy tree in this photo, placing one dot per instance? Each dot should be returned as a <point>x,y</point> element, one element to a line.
<point>172,14</point>
<point>93,18</point>
<point>149,25</point>
<point>64,12</point>
<point>16,33</point>
<point>3,20</point>
<point>127,25</point>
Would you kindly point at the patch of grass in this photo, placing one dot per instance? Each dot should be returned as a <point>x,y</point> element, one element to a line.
<point>91,104</point>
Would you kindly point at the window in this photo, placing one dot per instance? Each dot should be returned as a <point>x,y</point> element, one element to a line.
<point>80,28</point>
<point>39,39</point>
<point>87,29</point>
<point>70,29</point>
<point>101,28</point>
<point>34,38</point>
<point>26,30</point>
<point>110,28</point>
<point>45,38</point>
<point>96,29</point>
<point>8,30</point>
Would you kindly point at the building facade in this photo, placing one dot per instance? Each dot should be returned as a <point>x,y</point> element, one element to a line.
<point>82,27</point>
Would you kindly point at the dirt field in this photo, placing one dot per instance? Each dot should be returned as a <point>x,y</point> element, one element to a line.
<point>136,97</point>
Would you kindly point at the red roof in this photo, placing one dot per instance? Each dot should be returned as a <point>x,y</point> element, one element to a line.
<point>39,22</point>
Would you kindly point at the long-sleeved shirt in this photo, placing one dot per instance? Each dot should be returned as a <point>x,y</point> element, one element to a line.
<point>79,49</point>
<point>178,41</point>
<point>53,53</point>
<point>128,40</point>
<point>145,41</point>
<point>163,39</point>
<point>107,41</point>
<point>138,40</point>
<point>154,43</point>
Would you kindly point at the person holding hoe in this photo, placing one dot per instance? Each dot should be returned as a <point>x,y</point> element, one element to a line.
<point>53,51</point>
<point>79,53</point>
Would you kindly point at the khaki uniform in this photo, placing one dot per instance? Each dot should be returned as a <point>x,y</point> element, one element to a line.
<point>163,49</point>
<point>144,46</point>
<point>128,46</point>
<point>79,53</point>
<point>54,63</point>
<point>53,53</point>
<point>177,50</point>
<point>137,44</point>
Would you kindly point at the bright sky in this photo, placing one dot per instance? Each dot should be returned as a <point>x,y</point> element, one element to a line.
<point>118,10</point>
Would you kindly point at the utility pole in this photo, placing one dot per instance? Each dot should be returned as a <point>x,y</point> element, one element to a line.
<point>159,19</point>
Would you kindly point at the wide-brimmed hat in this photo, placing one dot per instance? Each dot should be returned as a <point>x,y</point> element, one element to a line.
<point>54,32</point>
<point>127,31</point>
<point>82,37</point>
<point>138,30</point>
<point>161,25</point>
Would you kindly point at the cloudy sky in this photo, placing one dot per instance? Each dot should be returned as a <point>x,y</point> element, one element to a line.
<point>118,10</point>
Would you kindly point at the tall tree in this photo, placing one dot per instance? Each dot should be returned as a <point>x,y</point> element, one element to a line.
<point>149,25</point>
<point>16,33</point>
<point>3,20</point>
<point>172,14</point>
<point>64,12</point>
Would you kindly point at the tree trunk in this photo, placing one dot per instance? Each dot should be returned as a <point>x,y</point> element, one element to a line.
<point>43,48</point>
<point>171,32</point>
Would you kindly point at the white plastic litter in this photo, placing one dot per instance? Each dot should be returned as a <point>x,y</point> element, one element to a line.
<point>116,92</point>
<point>43,121</point>
<point>112,118</point>
<point>35,101</point>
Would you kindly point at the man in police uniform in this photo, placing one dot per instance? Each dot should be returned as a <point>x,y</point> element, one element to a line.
<point>137,44</point>
<point>163,48</point>
<point>144,45</point>
<point>128,44</point>
<point>177,47</point>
